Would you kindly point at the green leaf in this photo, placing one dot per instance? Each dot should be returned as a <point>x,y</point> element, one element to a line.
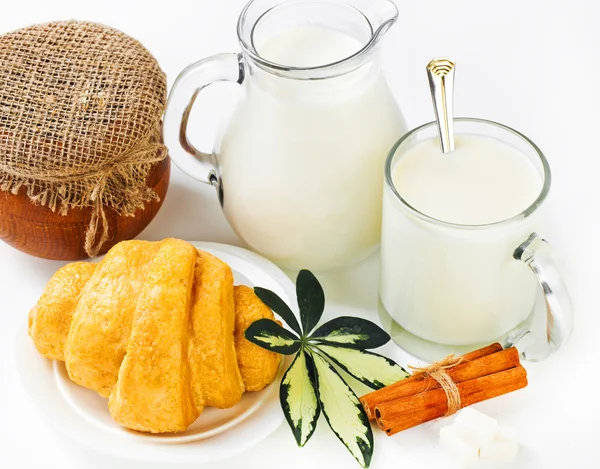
<point>311,300</point>
<point>271,336</point>
<point>343,411</point>
<point>346,331</point>
<point>299,399</point>
<point>376,371</point>
<point>273,301</point>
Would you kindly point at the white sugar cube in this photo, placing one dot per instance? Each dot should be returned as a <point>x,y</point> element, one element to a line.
<point>500,450</point>
<point>506,433</point>
<point>451,440</point>
<point>503,447</point>
<point>474,436</point>
<point>475,428</point>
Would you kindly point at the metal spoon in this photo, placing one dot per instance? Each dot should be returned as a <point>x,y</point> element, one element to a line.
<point>441,84</point>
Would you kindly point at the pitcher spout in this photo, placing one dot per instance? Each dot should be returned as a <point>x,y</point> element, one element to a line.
<point>382,16</point>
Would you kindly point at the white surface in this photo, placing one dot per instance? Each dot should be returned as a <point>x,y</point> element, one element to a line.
<point>83,415</point>
<point>529,64</point>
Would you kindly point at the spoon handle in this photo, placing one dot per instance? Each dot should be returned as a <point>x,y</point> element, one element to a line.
<point>441,84</point>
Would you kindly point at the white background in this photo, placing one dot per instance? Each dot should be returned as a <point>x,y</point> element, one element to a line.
<point>533,65</point>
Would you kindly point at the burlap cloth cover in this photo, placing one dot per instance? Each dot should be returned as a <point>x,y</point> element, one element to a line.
<point>80,110</point>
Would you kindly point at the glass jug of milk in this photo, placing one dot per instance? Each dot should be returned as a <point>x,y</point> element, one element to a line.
<point>299,168</point>
<point>461,260</point>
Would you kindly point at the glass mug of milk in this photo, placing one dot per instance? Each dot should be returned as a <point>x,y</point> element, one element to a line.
<point>299,168</point>
<point>461,260</point>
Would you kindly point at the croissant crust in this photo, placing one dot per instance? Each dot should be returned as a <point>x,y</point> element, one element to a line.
<point>158,329</point>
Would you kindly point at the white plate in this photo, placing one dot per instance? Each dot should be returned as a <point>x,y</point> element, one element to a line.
<point>83,415</point>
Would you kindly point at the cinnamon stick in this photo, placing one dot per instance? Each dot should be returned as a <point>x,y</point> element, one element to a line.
<point>400,414</point>
<point>469,368</point>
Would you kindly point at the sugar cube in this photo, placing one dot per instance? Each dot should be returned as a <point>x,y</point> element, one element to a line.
<point>500,450</point>
<point>475,428</point>
<point>474,436</point>
<point>503,447</point>
<point>457,446</point>
<point>506,433</point>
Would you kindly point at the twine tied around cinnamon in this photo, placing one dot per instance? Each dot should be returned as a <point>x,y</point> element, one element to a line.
<point>437,371</point>
<point>80,120</point>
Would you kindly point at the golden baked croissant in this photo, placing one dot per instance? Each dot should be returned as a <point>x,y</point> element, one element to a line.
<point>258,365</point>
<point>157,328</point>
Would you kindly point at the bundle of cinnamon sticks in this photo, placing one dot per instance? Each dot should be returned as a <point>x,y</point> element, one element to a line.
<point>480,375</point>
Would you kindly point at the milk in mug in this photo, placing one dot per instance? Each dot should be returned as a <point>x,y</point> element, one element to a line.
<point>449,284</point>
<point>302,160</point>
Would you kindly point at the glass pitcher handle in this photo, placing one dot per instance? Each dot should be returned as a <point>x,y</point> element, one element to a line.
<point>536,253</point>
<point>193,79</point>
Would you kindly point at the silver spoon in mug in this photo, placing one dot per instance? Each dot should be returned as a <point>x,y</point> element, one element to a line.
<point>441,83</point>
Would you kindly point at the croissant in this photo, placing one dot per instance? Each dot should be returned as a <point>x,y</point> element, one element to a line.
<point>158,329</point>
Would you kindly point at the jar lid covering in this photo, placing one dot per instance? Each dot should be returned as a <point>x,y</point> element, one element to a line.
<point>80,115</point>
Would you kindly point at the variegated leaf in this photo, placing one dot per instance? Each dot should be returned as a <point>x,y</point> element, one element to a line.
<point>279,307</point>
<point>374,370</point>
<point>343,411</point>
<point>311,300</point>
<point>271,336</point>
<point>299,399</point>
<point>347,331</point>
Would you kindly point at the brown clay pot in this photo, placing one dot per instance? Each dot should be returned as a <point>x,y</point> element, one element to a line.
<point>38,231</point>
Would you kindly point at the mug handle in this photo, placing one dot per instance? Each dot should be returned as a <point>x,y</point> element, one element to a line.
<point>193,79</point>
<point>536,253</point>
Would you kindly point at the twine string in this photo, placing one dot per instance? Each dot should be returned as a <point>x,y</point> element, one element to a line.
<point>437,371</point>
